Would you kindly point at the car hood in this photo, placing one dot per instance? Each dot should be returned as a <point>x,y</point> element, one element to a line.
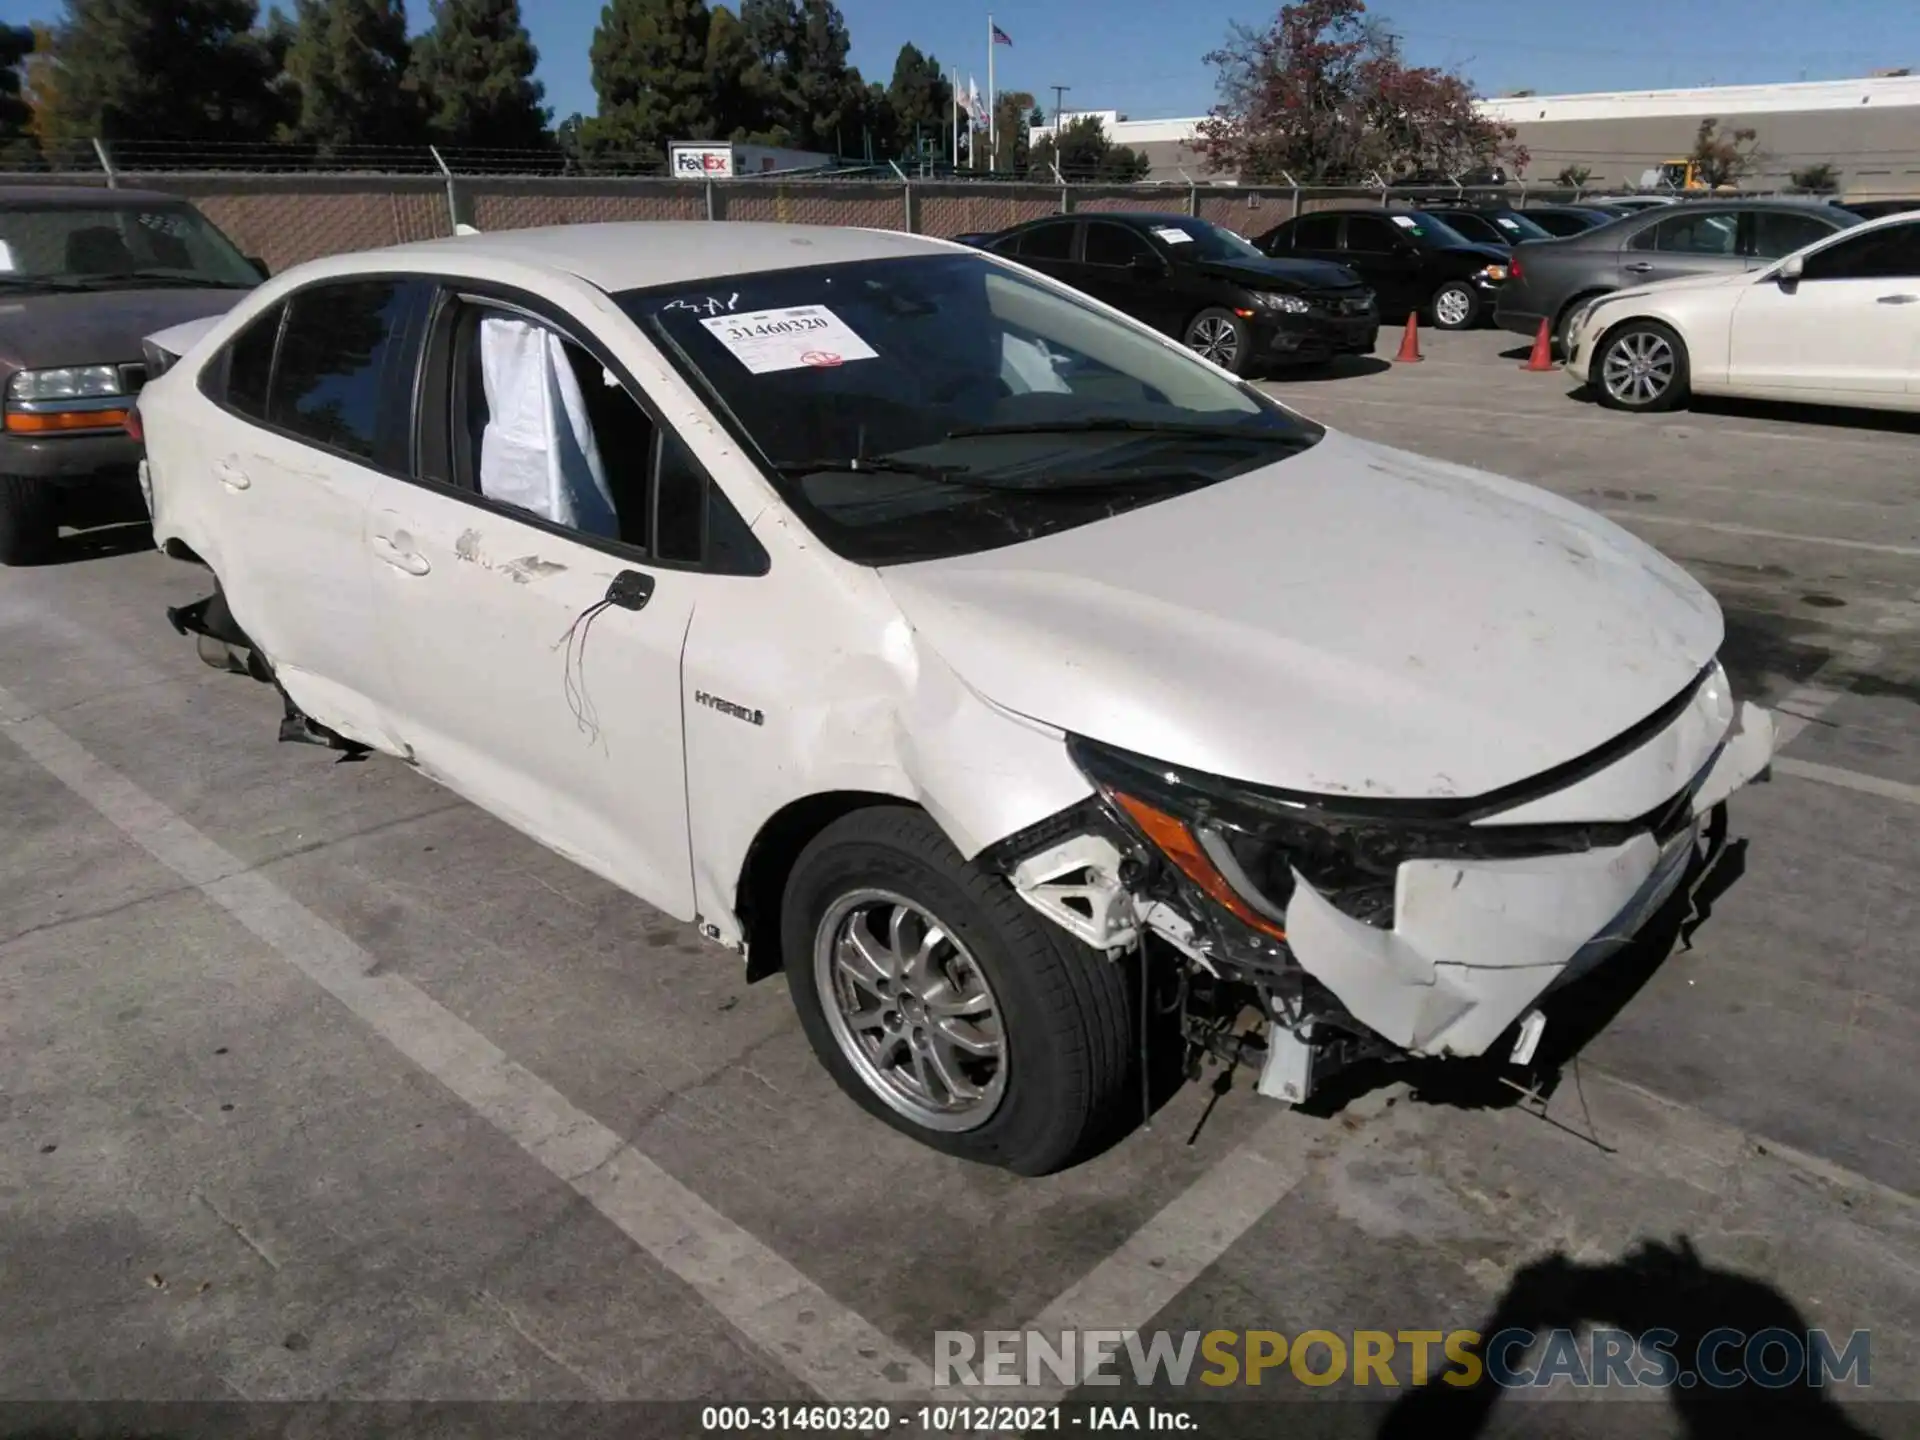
<point>102,327</point>
<point>1352,620</point>
<point>1289,275</point>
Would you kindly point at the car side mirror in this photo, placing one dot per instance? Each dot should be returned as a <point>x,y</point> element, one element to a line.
<point>257,263</point>
<point>1790,271</point>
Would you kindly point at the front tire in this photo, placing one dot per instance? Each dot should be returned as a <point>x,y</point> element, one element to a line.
<point>1640,365</point>
<point>1223,337</point>
<point>944,1005</point>
<point>28,524</point>
<point>1455,306</point>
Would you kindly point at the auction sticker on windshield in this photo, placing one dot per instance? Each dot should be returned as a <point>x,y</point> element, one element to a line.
<point>789,339</point>
<point>1172,235</point>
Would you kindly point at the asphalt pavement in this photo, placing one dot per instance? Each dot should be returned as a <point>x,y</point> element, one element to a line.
<point>317,1084</point>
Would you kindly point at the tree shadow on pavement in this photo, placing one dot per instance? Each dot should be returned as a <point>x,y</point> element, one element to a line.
<point>1655,1286</point>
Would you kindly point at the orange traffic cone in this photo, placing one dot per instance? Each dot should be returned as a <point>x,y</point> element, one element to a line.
<point>1410,343</point>
<point>1542,356</point>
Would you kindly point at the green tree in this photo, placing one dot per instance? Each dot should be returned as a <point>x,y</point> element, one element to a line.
<point>1083,151</point>
<point>921,99</point>
<point>349,60</point>
<point>730,60</point>
<point>801,90</point>
<point>155,70</point>
<point>474,69</point>
<point>650,72</point>
<point>17,147</point>
<point>1010,111</point>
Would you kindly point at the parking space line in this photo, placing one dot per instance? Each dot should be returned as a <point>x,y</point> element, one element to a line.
<point>795,1323</point>
<point>1754,532</point>
<point>1848,779</point>
<point>1197,1227</point>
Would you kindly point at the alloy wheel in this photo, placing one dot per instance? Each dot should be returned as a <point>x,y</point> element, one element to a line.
<point>1638,368</point>
<point>911,1010</point>
<point>1215,338</point>
<point>1452,306</point>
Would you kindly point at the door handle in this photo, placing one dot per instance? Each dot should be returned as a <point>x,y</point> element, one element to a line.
<point>231,475</point>
<point>1638,267</point>
<point>398,552</point>
<point>1898,299</point>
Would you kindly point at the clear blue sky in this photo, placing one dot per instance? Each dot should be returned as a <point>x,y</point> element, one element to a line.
<point>1143,56</point>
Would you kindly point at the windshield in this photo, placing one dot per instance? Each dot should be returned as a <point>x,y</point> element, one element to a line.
<point>1516,227</point>
<point>939,405</point>
<point>104,247</point>
<point>1199,240</point>
<point>1429,229</point>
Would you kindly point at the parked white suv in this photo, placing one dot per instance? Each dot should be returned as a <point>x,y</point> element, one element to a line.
<point>985,660</point>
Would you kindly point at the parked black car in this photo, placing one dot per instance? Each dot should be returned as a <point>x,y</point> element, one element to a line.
<point>1552,279</point>
<point>1562,220</point>
<point>85,276</point>
<point>1413,261</point>
<point>1489,224</point>
<point>1203,285</point>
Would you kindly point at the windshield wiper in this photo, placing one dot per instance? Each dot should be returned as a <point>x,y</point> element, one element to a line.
<point>864,464</point>
<point>41,282</point>
<point>153,278</point>
<point>1112,423</point>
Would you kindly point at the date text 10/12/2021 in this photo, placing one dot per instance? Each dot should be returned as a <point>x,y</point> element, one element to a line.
<point>942,1419</point>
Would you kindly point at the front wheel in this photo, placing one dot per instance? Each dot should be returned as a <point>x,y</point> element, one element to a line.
<point>28,524</point>
<point>1641,365</point>
<point>1456,306</point>
<point>1222,337</point>
<point>944,1005</point>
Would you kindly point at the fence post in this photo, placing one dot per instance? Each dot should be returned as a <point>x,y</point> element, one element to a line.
<point>453,193</point>
<point>907,207</point>
<point>106,163</point>
<point>709,186</point>
<point>1294,210</point>
<point>1193,199</point>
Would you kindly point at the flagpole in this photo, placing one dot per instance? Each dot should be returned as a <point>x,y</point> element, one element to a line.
<point>953,89</point>
<point>993,118</point>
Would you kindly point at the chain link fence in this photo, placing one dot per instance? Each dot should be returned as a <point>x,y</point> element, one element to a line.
<point>287,205</point>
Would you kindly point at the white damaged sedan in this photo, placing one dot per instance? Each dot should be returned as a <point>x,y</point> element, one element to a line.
<point>977,656</point>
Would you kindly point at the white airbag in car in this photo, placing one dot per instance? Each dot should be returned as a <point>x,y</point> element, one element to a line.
<point>538,450</point>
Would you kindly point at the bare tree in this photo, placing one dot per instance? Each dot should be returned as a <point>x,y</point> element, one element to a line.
<point>1722,157</point>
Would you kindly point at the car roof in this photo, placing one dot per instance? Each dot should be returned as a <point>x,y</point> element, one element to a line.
<point>82,196</point>
<point>636,254</point>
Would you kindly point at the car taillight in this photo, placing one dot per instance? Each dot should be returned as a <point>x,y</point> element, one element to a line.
<point>1513,266</point>
<point>134,427</point>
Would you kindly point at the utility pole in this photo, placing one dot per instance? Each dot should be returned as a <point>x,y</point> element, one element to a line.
<point>1058,91</point>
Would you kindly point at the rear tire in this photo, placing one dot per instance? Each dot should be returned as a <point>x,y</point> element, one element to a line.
<point>907,965</point>
<point>1640,365</point>
<point>1455,306</point>
<point>29,524</point>
<point>1222,337</point>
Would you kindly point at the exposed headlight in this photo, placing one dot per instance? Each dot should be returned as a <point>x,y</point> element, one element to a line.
<point>1491,273</point>
<point>68,382</point>
<point>1242,845</point>
<point>1286,304</point>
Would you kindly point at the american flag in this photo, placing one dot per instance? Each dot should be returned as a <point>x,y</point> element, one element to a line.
<point>1000,37</point>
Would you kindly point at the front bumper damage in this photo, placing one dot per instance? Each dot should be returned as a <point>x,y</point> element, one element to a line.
<point>1472,947</point>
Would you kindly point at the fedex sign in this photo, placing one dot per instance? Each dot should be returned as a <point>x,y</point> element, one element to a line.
<point>703,162</point>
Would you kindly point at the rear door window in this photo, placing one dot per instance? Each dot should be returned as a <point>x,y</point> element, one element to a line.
<point>1111,244</point>
<point>1317,232</point>
<point>1708,232</point>
<point>332,369</point>
<point>1047,242</point>
<point>1371,235</point>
